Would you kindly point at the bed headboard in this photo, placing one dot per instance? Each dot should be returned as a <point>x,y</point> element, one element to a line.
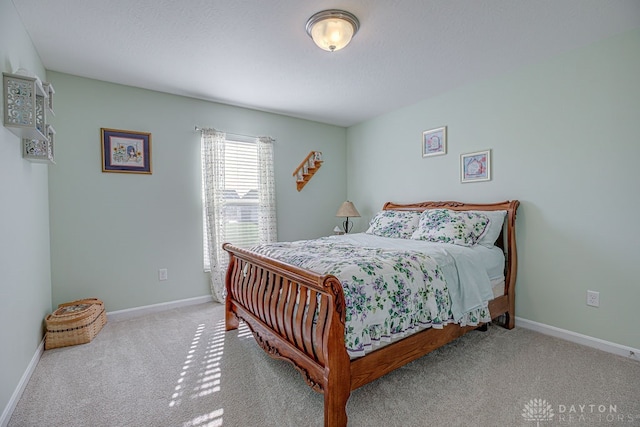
<point>456,206</point>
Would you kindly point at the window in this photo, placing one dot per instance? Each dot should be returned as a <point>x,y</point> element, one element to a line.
<point>238,193</point>
<point>240,196</point>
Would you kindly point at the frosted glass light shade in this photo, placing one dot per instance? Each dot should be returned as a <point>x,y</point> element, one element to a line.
<point>332,29</point>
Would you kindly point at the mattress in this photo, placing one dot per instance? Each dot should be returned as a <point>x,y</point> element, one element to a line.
<point>497,286</point>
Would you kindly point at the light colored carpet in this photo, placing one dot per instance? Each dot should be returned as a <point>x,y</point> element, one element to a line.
<point>179,368</point>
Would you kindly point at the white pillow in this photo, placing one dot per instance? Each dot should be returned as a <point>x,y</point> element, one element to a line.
<point>462,228</point>
<point>496,220</point>
<point>397,224</point>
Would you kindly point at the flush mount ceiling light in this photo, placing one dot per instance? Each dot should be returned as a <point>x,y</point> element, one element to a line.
<point>332,29</point>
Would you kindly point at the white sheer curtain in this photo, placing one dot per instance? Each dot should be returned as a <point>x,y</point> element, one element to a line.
<point>213,183</point>
<point>214,186</point>
<point>267,224</point>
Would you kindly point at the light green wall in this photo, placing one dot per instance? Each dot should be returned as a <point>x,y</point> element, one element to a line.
<point>25,279</point>
<point>111,232</point>
<point>564,138</point>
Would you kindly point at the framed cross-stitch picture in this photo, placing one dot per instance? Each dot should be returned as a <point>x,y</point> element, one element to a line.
<point>434,142</point>
<point>125,151</point>
<point>475,166</point>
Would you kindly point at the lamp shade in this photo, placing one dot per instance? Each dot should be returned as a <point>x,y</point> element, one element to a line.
<point>332,29</point>
<point>347,209</point>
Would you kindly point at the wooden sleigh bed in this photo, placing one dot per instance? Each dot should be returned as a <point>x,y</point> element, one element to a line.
<point>275,299</point>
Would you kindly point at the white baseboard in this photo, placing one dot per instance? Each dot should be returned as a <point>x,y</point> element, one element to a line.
<point>11,406</point>
<point>130,313</point>
<point>609,347</point>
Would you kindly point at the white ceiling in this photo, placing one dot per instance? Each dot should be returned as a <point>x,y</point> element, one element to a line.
<point>256,53</point>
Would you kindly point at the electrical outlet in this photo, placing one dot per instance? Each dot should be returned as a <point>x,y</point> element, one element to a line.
<point>162,274</point>
<point>593,298</point>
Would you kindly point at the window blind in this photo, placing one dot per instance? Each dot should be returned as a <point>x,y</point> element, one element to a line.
<point>241,193</point>
<point>240,197</point>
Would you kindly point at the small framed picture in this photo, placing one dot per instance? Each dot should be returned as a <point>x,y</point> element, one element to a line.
<point>434,142</point>
<point>475,166</point>
<point>125,151</point>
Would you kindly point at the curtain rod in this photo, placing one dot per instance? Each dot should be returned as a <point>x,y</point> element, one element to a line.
<point>199,129</point>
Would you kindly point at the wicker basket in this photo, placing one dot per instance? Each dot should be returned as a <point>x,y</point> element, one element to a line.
<point>76,322</point>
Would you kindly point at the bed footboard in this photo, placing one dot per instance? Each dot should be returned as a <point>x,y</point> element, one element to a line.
<point>295,315</point>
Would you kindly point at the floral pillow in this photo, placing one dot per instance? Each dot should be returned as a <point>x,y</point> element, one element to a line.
<point>446,226</point>
<point>398,224</point>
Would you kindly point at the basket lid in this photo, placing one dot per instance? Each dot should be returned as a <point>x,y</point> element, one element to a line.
<point>71,309</point>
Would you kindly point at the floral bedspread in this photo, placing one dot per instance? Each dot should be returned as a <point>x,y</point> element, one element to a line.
<point>389,293</point>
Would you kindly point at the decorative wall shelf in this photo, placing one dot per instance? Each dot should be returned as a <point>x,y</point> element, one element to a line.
<point>307,169</point>
<point>27,101</point>
<point>39,151</point>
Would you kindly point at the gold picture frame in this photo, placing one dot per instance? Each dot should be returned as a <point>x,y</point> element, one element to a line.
<point>125,151</point>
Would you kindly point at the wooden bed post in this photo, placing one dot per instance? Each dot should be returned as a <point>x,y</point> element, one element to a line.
<point>337,390</point>
<point>512,264</point>
<point>337,372</point>
<point>231,320</point>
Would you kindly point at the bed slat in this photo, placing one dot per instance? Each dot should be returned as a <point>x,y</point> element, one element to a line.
<point>301,306</point>
<point>290,304</point>
<point>307,329</point>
